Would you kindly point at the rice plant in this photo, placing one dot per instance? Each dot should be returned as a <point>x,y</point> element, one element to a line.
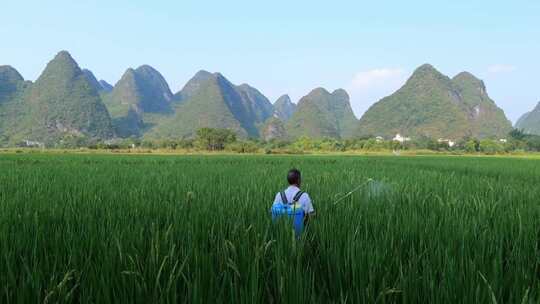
<point>197,229</point>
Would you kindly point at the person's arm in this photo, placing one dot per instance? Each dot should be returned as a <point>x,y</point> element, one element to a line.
<point>277,199</point>
<point>308,216</point>
<point>309,211</point>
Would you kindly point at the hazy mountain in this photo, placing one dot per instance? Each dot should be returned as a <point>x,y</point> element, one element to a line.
<point>125,93</point>
<point>210,100</point>
<point>101,86</point>
<point>92,80</point>
<point>105,86</point>
<point>273,129</point>
<point>193,85</point>
<point>206,102</point>
<point>13,105</point>
<point>10,81</point>
<point>139,92</point>
<point>64,103</point>
<point>431,104</point>
<point>67,102</point>
<point>144,87</point>
<point>130,123</point>
<point>530,121</point>
<point>486,119</point>
<point>284,108</point>
<point>258,107</point>
<point>323,114</point>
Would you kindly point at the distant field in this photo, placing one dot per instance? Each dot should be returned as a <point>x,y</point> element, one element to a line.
<point>196,229</point>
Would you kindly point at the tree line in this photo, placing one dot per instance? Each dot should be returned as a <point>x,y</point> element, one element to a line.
<point>210,139</point>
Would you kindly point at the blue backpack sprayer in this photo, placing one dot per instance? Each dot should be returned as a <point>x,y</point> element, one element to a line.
<point>292,210</point>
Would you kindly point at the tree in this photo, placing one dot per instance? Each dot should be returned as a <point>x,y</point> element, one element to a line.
<point>471,146</point>
<point>533,142</point>
<point>330,144</point>
<point>70,141</point>
<point>214,139</point>
<point>517,134</point>
<point>489,146</point>
<point>305,143</point>
<point>424,142</point>
<point>243,147</point>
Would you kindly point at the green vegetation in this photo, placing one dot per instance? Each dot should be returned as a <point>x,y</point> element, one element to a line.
<point>139,92</point>
<point>65,104</point>
<point>193,85</point>
<point>68,107</point>
<point>13,105</point>
<point>143,87</point>
<point>274,129</point>
<point>211,101</point>
<point>10,81</point>
<point>151,229</point>
<point>433,105</point>
<point>485,118</point>
<point>258,106</point>
<point>214,139</point>
<point>208,107</point>
<point>517,143</point>
<point>92,80</point>
<point>61,104</point>
<point>323,114</point>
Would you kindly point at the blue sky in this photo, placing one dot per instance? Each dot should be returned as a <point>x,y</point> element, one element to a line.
<point>366,47</point>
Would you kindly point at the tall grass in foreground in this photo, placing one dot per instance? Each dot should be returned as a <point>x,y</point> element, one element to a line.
<point>147,229</point>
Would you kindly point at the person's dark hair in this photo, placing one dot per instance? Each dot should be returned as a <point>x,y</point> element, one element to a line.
<point>294,177</point>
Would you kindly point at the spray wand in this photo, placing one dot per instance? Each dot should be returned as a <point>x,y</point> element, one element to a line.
<point>369,180</point>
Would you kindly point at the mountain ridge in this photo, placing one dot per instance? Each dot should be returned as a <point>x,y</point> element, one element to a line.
<point>136,98</point>
<point>530,121</point>
<point>433,105</point>
<point>284,108</point>
<point>67,101</point>
<point>323,114</point>
<point>64,103</point>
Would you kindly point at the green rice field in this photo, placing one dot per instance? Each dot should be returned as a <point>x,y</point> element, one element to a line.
<point>197,229</point>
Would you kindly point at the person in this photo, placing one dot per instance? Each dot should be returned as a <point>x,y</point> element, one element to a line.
<point>293,195</point>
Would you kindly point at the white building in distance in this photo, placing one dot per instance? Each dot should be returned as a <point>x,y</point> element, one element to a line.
<point>400,138</point>
<point>450,142</point>
<point>32,144</point>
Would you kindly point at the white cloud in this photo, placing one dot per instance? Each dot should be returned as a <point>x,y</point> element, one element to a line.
<point>376,78</point>
<point>368,87</point>
<point>501,68</point>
